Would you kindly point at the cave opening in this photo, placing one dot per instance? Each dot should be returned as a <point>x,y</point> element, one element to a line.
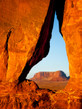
<point>57,58</point>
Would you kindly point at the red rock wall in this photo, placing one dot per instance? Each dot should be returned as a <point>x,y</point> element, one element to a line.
<point>72,34</point>
<point>24,19</point>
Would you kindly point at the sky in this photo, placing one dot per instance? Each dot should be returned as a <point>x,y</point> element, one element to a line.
<point>56,58</point>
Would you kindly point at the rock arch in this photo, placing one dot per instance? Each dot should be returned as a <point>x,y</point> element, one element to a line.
<point>26,45</point>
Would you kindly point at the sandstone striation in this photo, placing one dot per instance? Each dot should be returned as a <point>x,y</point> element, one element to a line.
<point>25,32</point>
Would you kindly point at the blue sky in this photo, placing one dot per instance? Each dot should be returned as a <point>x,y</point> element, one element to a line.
<point>56,58</point>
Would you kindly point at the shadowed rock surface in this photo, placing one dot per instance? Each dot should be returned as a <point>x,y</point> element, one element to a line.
<point>25,32</point>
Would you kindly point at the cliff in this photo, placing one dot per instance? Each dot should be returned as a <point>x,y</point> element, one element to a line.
<point>25,32</point>
<point>50,76</point>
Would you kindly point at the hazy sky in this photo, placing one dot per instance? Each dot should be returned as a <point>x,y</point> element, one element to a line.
<point>56,58</point>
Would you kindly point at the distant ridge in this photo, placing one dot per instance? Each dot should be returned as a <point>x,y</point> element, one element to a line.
<point>51,76</point>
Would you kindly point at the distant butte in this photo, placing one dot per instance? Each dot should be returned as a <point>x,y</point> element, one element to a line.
<point>51,76</point>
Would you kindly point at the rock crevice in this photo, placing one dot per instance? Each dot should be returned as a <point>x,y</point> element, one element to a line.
<point>6,47</point>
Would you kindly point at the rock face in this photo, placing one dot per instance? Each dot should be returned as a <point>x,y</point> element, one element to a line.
<point>50,76</point>
<point>25,32</point>
<point>72,34</point>
<point>24,19</point>
<point>26,95</point>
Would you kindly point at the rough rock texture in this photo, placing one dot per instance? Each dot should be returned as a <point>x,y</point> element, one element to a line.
<point>72,34</point>
<point>50,76</point>
<point>24,18</point>
<point>27,95</point>
<point>25,31</point>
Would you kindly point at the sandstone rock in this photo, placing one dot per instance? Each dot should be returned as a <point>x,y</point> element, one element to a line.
<point>24,40</point>
<point>24,19</point>
<point>27,95</point>
<point>23,96</point>
<point>72,34</point>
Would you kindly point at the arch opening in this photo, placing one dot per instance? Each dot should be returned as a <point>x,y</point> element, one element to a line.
<point>56,60</point>
<point>43,43</point>
<point>56,57</point>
